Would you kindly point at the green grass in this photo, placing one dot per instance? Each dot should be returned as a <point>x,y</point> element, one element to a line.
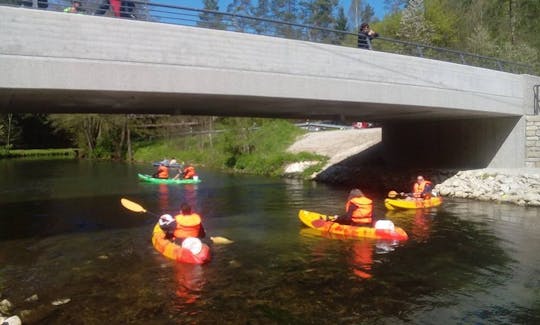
<point>254,150</point>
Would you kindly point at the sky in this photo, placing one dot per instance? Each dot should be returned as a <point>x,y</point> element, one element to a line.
<point>378,5</point>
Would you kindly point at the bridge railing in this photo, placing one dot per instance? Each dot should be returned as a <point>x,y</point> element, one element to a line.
<point>181,15</point>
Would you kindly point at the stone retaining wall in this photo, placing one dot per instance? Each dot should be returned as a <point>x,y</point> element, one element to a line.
<point>532,141</point>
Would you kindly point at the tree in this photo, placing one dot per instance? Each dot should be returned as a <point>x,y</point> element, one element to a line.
<point>367,13</point>
<point>355,12</point>
<point>319,13</point>
<point>287,11</point>
<point>261,10</point>
<point>240,7</point>
<point>209,19</point>
<point>341,24</point>
<point>413,25</point>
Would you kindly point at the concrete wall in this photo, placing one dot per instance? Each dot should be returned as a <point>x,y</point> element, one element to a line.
<point>465,144</point>
<point>532,149</point>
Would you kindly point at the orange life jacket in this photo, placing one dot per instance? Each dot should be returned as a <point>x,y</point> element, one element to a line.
<point>163,172</point>
<point>187,225</point>
<point>189,172</point>
<point>418,189</point>
<point>364,212</point>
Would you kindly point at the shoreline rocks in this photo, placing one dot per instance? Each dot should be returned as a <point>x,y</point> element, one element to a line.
<point>519,186</point>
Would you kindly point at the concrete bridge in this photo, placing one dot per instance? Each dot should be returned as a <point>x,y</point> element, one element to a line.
<point>434,113</point>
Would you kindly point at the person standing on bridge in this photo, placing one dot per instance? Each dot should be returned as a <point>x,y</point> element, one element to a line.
<point>365,35</point>
<point>74,8</point>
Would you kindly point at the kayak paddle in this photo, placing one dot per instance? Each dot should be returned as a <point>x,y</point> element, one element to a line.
<point>135,207</point>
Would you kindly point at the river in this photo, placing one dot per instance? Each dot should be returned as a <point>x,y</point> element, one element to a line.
<point>64,235</point>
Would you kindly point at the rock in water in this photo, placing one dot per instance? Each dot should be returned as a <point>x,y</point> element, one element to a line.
<point>13,320</point>
<point>59,302</point>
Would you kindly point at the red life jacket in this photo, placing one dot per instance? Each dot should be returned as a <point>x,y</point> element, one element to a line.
<point>187,225</point>
<point>364,212</point>
<point>163,172</point>
<point>189,172</point>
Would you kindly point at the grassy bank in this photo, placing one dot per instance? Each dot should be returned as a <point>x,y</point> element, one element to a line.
<point>241,146</point>
<point>21,153</point>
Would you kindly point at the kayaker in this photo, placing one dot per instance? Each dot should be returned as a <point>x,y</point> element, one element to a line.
<point>162,172</point>
<point>188,224</point>
<point>189,172</point>
<point>422,188</point>
<point>359,210</point>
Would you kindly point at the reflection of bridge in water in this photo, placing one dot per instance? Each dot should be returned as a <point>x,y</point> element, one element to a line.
<point>470,117</point>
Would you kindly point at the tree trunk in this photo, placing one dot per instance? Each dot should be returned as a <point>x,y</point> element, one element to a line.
<point>8,144</point>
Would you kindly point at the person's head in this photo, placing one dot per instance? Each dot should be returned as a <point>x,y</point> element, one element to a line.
<point>392,194</point>
<point>364,27</point>
<point>76,3</point>
<point>185,208</point>
<point>355,193</point>
<point>419,179</point>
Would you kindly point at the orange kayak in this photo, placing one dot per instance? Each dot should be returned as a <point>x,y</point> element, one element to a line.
<point>176,252</point>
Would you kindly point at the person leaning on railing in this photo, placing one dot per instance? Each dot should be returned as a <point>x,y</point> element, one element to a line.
<point>365,35</point>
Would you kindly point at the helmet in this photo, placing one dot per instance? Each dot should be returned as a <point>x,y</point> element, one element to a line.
<point>194,245</point>
<point>392,194</point>
<point>167,222</point>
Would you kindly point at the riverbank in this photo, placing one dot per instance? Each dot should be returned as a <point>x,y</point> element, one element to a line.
<point>21,153</point>
<point>519,186</point>
<point>354,159</point>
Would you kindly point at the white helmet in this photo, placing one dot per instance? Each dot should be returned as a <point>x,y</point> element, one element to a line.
<point>194,245</point>
<point>165,220</point>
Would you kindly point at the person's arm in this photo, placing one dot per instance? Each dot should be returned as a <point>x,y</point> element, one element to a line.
<point>347,217</point>
<point>202,232</point>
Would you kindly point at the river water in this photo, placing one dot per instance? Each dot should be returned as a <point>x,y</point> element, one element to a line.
<point>64,234</point>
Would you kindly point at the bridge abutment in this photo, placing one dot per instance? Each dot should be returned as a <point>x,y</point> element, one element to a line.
<point>466,144</point>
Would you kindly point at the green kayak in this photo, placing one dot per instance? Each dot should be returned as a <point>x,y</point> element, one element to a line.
<point>149,178</point>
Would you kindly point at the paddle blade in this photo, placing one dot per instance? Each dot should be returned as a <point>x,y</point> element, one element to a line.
<point>130,205</point>
<point>221,240</point>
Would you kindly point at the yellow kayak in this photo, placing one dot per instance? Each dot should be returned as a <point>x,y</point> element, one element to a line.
<point>318,221</point>
<point>393,204</point>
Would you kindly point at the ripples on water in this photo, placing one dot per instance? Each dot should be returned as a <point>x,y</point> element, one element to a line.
<point>63,234</point>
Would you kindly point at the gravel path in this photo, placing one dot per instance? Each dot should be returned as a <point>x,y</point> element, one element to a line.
<point>337,144</point>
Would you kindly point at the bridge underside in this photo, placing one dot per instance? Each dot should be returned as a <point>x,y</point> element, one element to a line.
<point>124,102</point>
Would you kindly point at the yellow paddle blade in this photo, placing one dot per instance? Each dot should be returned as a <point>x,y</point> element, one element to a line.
<point>221,240</point>
<point>130,205</point>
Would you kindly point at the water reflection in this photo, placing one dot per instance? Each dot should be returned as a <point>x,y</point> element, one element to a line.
<point>419,221</point>
<point>190,281</point>
<point>360,252</point>
<point>163,198</point>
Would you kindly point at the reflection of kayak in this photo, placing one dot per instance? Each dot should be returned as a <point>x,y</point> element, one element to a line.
<point>392,204</point>
<point>318,221</point>
<point>149,178</point>
<point>177,252</point>
<point>157,163</point>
